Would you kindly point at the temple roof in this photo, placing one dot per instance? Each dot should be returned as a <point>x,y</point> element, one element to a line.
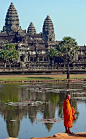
<point>11,20</point>
<point>31,29</point>
<point>48,29</point>
<point>12,16</point>
<point>48,25</point>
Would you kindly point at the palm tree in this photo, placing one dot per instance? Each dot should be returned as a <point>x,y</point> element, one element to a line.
<point>53,53</point>
<point>9,54</point>
<point>67,50</point>
<point>4,57</point>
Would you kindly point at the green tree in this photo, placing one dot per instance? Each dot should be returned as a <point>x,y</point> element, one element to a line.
<point>53,53</point>
<point>9,54</point>
<point>67,50</point>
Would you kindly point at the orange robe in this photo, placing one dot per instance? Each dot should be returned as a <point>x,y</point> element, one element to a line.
<point>68,112</point>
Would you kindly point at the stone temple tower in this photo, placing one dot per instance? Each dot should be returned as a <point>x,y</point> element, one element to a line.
<point>11,21</point>
<point>48,30</point>
<point>31,29</point>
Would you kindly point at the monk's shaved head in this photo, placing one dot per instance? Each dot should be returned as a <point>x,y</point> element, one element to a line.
<point>68,96</point>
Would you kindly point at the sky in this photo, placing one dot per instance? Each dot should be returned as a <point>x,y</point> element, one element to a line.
<point>68,16</point>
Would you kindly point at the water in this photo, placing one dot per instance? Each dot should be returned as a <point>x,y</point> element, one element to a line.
<point>22,121</point>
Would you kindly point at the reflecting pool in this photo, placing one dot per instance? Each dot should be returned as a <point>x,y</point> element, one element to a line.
<point>35,110</point>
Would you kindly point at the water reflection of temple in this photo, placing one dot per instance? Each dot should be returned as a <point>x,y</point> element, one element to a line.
<point>21,93</point>
<point>12,119</point>
<point>49,113</point>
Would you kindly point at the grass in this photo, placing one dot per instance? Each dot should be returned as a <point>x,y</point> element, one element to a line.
<point>40,77</point>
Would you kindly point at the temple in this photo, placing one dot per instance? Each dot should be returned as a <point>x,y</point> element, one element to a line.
<point>31,29</point>
<point>48,30</point>
<point>32,46</point>
<point>11,21</point>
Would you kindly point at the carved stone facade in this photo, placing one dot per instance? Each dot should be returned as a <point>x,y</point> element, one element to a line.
<point>48,30</point>
<point>33,47</point>
<point>11,21</point>
<point>31,29</point>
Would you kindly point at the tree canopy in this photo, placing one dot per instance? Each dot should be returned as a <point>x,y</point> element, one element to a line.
<point>53,53</point>
<point>9,54</point>
<point>67,50</point>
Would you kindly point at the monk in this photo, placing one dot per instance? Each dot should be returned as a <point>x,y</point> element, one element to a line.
<point>69,116</point>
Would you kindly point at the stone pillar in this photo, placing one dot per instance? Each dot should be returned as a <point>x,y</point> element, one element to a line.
<point>64,65</point>
<point>49,60</point>
<point>43,58</point>
<point>38,59</point>
<point>73,65</point>
<point>24,58</point>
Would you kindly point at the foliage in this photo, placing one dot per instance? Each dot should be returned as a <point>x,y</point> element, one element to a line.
<point>9,53</point>
<point>68,49</point>
<point>52,53</point>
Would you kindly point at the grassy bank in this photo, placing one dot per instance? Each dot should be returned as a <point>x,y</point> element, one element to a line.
<point>40,77</point>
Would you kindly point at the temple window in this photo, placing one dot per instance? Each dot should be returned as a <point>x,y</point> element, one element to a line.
<point>34,59</point>
<point>31,58</point>
<point>40,58</point>
<point>45,59</point>
<point>22,58</point>
<point>28,58</point>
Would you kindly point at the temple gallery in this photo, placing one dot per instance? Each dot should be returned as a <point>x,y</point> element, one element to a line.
<point>33,47</point>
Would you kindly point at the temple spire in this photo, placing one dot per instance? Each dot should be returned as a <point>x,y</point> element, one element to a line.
<point>31,29</point>
<point>48,29</point>
<point>11,20</point>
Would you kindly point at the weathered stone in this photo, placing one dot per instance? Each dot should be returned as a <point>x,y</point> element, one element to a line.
<point>31,29</point>
<point>81,135</point>
<point>11,20</point>
<point>48,30</point>
<point>61,135</point>
<point>33,47</point>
